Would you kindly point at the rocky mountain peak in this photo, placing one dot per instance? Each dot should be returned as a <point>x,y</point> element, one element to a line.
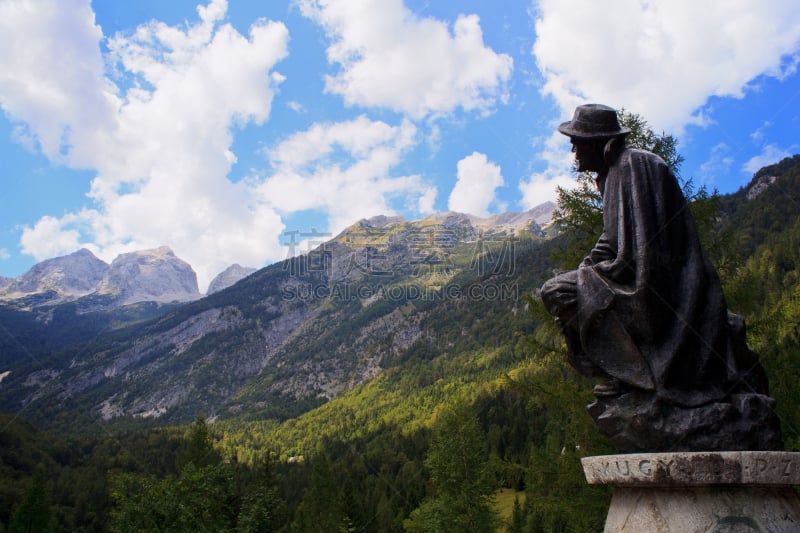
<point>381,221</point>
<point>155,275</point>
<point>228,277</point>
<point>70,276</point>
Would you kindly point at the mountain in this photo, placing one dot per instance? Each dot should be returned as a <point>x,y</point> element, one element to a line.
<point>228,277</point>
<point>347,357</point>
<point>386,299</point>
<point>59,279</point>
<point>145,276</point>
<point>288,337</point>
<point>155,275</point>
<point>467,227</point>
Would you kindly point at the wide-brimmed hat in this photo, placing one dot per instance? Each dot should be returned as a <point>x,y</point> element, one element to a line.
<point>593,121</point>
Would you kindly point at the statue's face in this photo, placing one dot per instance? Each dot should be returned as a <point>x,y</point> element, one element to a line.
<point>588,154</point>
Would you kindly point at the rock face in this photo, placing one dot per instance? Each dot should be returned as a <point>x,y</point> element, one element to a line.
<point>66,277</point>
<point>5,283</point>
<point>228,277</point>
<point>155,275</point>
<point>763,183</point>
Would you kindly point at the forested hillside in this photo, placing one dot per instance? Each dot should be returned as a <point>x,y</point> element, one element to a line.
<point>482,383</point>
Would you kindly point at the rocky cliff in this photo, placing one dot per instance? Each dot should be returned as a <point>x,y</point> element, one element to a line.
<point>60,278</point>
<point>146,276</point>
<point>228,277</point>
<point>155,275</point>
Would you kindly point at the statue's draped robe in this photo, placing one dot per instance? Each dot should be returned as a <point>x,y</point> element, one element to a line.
<point>650,308</point>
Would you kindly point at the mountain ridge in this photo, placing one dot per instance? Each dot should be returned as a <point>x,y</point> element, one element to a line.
<point>381,295</point>
<point>154,275</point>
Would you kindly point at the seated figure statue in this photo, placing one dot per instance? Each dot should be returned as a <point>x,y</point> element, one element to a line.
<point>645,311</point>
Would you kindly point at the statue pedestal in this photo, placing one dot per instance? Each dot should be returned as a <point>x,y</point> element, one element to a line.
<point>699,491</point>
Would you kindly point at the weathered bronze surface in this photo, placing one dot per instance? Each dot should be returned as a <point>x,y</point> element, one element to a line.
<point>645,310</point>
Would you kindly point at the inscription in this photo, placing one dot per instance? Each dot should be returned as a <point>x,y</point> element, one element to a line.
<point>783,467</point>
<point>701,468</point>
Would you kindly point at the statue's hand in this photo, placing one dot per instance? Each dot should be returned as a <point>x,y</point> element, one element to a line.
<point>560,294</point>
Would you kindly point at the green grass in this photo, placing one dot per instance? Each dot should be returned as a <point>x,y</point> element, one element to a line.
<point>504,504</point>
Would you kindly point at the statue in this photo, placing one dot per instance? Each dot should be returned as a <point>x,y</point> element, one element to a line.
<point>646,312</point>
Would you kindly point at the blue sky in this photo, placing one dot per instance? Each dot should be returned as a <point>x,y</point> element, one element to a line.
<point>215,127</point>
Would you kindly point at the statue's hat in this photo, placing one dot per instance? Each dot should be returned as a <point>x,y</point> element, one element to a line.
<point>593,121</point>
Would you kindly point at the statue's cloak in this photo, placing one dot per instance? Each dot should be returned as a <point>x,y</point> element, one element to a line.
<point>651,312</point>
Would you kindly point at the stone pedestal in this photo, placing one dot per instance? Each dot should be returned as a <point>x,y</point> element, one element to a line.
<point>704,492</point>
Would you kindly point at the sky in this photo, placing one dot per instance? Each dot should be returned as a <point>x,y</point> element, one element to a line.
<point>224,128</point>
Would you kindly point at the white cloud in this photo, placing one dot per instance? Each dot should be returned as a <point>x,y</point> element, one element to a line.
<point>556,152</point>
<point>51,73</point>
<point>474,191</point>
<point>345,169</point>
<point>661,59</point>
<point>295,106</point>
<point>391,58</point>
<point>4,254</point>
<point>718,164</point>
<point>160,141</point>
<point>769,156</point>
<point>758,135</point>
<point>48,238</point>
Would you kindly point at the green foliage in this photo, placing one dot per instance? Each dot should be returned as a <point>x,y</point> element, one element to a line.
<point>321,507</point>
<point>463,481</point>
<point>33,515</point>
<point>263,509</point>
<point>198,499</point>
<point>199,450</point>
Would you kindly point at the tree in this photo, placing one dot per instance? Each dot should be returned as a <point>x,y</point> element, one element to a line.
<point>321,507</point>
<point>461,475</point>
<point>263,509</point>
<point>517,524</point>
<point>199,499</point>
<point>579,211</point>
<point>199,449</point>
<point>33,515</point>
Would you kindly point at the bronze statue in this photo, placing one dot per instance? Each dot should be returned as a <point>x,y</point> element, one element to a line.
<point>645,311</point>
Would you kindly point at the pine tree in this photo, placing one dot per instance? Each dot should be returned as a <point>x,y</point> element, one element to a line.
<point>199,449</point>
<point>321,507</point>
<point>33,515</point>
<point>461,475</point>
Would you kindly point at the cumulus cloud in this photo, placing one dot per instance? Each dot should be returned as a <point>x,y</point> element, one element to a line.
<point>159,135</point>
<point>771,154</point>
<point>48,237</point>
<point>661,59</point>
<point>391,58</point>
<point>345,169</point>
<point>718,164</point>
<point>556,153</point>
<point>51,74</point>
<point>474,191</point>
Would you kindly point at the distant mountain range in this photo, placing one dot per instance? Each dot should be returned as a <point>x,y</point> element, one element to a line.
<point>134,340</point>
<point>133,343</point>
<point>157,275</point>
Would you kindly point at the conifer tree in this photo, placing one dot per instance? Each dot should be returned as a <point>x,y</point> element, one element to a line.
<point>33,515</point>
<point>462,477</point>
<point>321,507</point>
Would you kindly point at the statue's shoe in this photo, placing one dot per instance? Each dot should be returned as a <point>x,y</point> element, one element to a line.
<point>612,387</point>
